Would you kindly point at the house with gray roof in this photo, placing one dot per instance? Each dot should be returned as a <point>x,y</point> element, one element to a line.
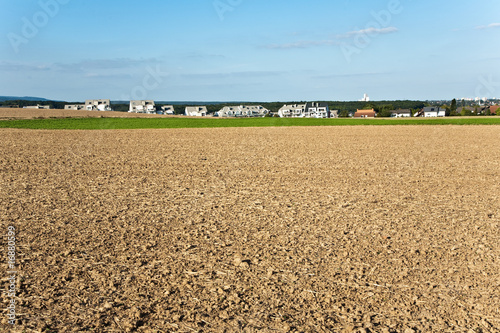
<point>196,111</point>
<point>74,107</point>
<point>168,109</point>
<point>98,105</point>
<point>243,111</point>
<point>292,110</point>
<point>317,110</point>
<point>38,106</point>
<point>433,111</point>
<point>142,107</point>
<point>401,113</point>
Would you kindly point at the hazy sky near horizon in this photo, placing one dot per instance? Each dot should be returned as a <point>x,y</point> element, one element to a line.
<point>250,50</point>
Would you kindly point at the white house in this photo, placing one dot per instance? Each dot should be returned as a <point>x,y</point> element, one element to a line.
<point>308,110</point>
<point>38,106</point>
<point>74,107</point>
<point>142,107</point>
<point>196,111</point>
<point>168,109</point>
<point>292,111</point>
<point>243,111</point>
<point>401,113</point>
<point>98,105</point>
<point>432,111</point>
<point>317,110</point>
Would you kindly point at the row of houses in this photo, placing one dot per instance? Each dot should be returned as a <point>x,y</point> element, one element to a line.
<point>428,112</point>
<point>229,111</point>
<point>91,105</point>
<point>302,110</point>
<point>200,111</point>
<point>305,110</point>
<point>321,110</point>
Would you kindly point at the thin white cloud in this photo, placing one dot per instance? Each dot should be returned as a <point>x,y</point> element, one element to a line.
<point>104,64</point>
<point>304,44</point>
<point>9,66</point>
<point>203,56</point>
<point>369,31</point>
<point>107,76</point>
<point>367,74</point>
<point>489,26</point>
<point>85,66</point>
<point>249,74</point>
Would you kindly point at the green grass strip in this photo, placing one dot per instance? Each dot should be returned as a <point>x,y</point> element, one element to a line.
<point>147,123</point>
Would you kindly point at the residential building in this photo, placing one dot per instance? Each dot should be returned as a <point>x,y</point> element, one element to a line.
<point>317,110</point>
<point>98,105</point>
<point>494,109</point>
<point>292,111</point>
<point>196,111</point>
<point>243,111</point>
<point>38,106</point>
<point>168,110</point>
<point>401,113</point>
<point>432,111</point>
<point>74,107</point>
<point>142,107</point>
<point>307,110</point>
<point>365,114</point>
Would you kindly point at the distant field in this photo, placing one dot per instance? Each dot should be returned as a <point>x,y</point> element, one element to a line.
<point>14,113</point>
<point>185,122</point>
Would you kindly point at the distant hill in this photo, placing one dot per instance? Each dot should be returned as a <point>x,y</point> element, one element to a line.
<point>25,98</point>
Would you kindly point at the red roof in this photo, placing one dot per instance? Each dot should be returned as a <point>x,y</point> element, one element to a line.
<point>494,108</point>
<point>365,114</point>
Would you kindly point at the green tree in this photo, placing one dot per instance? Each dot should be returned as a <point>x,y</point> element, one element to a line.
<point>466,112</point>
<point>369,106</point>
<point>453,107</point>
<point>343,114</point>
<point>384,110</point>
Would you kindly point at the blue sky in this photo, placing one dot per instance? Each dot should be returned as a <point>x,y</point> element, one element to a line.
<point>250,50</point>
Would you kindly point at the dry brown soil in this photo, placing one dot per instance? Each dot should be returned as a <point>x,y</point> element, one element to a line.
<point>330,229</point>
<point>7,113</point>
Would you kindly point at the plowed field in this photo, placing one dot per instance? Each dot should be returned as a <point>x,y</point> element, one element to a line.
<point>330,229</point>
<point>8,113</point>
